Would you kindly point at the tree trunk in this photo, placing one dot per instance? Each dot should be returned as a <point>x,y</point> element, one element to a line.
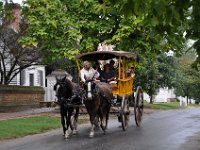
<point>151,99</point>
<point>187,99</point>
<point>190,102</point>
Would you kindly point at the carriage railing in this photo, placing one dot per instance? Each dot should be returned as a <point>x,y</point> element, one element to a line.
<point>123,87</point>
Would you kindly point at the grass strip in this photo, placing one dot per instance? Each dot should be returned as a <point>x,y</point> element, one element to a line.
<point>163,106</point>
<point>19,127</point>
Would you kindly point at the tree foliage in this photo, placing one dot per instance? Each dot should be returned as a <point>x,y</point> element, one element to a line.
<point>171,19</point>
<point>155,73</point>
<point>187,78</point>
<point>149,28</point>
<point>66,28</point>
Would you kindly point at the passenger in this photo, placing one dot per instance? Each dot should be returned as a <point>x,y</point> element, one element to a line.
<point>88,73</point>
<point>131,72</point>
<point>112,63</point>
<point>97,67</point>
<point>107,75</point>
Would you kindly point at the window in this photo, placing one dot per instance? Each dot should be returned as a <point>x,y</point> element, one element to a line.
<point>22,77</point>
<point>31,79</point>
<point>40,77</point>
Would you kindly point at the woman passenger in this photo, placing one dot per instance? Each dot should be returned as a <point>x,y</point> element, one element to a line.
<point>107,75</point>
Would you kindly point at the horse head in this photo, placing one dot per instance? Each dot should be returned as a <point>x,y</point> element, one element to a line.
<point>90,89</point>
<point>63,89</point>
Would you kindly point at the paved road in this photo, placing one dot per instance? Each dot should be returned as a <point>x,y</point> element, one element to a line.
<point>168,130</point>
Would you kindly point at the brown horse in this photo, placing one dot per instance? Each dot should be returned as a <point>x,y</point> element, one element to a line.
<point>98,102</point>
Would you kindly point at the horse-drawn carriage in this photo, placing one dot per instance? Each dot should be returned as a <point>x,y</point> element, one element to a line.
<point>123,88</point>
<point>98,97</point>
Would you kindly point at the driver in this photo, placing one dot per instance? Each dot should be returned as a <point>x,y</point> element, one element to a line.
<point>88,73</point>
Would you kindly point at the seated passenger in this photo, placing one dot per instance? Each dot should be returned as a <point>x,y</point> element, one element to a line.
<point>107,75</point>
<point>97,67</point>
<point>88,73</point>
<point>112,63</point>
<point>130,72</point>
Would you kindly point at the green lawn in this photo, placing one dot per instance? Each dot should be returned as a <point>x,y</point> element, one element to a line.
<point>14,128</point>
<point>167,106</point>
<point>193,105</point>
<point>163,106</point>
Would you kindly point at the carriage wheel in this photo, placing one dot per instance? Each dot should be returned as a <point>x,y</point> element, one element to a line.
<point>138,106</point>
<point>124,114</point>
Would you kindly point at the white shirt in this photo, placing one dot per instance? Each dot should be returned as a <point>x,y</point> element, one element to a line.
<point>89,74</point>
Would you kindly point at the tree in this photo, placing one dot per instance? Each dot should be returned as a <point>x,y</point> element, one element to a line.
<point>187,78</point>
<point>171,18</point>
<point>13,57</point>
<point>67,28</point>
<point>150,83</point>
<point>155,72</point>
<point>166,69</point>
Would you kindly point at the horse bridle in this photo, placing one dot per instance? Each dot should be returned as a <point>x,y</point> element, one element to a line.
<point>60,84</point>
<point>89,94</point>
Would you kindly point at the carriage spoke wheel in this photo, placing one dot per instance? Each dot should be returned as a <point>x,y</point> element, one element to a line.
<point>124,114</point>
<point>138,106</point>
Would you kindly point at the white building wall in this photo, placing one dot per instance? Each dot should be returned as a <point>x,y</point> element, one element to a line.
<point>162,95</point>
<point>16,79</point>
<point>38,72</point>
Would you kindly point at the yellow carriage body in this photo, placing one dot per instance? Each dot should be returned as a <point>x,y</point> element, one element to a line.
<point>124,85</point>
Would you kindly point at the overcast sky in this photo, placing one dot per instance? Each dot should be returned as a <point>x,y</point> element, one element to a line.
<point>17,1</point>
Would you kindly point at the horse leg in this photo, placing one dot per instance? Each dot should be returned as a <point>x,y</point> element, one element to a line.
<point>92,121</point>
<point>97,122</point>
<point>75,121</point>
<point>107,118</point>
<point>63,123</point>
<point>103,122</point>
<point>68,122</point>
<point>107,114</point>
<point>104,116</point>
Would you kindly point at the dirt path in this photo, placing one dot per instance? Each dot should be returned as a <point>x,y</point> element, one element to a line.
<point>43,111</point>
<point>26,113</point>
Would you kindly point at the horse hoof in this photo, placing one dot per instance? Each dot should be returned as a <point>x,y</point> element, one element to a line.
<point>67,135</point>
<point>74,132</point>
<point>91,135</point>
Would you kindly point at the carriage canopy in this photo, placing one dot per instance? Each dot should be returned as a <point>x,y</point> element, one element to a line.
<point>105,55</point>
<point>125,61</point>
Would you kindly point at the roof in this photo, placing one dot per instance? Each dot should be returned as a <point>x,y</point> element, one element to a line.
<point>105,55</point>
<point>58,73</point>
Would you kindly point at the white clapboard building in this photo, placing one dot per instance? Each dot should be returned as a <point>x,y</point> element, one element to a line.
<point>31,76</point>
<point>50,95</point>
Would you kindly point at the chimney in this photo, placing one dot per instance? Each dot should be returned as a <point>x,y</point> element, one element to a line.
<point>15,12</point>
